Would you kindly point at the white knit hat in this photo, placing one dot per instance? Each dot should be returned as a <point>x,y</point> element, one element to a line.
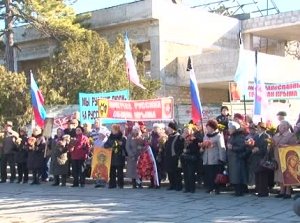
<point>233,125</point>
<point>104,131</point>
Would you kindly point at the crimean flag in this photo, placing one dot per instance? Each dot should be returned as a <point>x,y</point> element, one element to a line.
<point>260,95</point>
<point>195,96</point>
<point>130,66</point>
<point>37,100</point>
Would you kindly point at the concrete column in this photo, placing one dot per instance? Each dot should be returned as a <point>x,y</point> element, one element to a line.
<point>280,48</point>
<point>157,71</point>
<point>248,41</point>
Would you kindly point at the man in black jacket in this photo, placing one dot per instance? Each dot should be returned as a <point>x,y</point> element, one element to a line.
<point>8,150</point>
<point>173,149</point>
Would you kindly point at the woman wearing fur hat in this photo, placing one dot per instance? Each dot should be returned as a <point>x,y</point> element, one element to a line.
<point>214,155</point>
<point>21,156</point>
<point>59,158</point>
<point>236,162</point>
<point>36,149</point>
<point>117,142</point>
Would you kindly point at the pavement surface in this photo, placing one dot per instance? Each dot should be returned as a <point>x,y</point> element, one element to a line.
<point>45,203</point>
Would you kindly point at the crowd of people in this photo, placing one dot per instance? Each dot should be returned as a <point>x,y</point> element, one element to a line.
<point>226,151</point>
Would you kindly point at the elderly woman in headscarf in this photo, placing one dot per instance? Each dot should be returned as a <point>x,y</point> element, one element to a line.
<point>36,150</point>
<point>214,155</point>
<point>283,138</point>
<point>236,162</point>
<point>134,145</point>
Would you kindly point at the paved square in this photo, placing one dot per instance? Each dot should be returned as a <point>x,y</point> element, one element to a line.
<point>44,203</point>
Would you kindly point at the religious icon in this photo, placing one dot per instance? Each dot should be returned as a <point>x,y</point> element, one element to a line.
<point>101,164</point>
<point>290,165</point>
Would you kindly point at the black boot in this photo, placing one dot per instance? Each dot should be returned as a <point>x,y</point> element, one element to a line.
<point>134,183</point>
<point>238,190</point>
<point>56,180</point>
<point>63,180</point>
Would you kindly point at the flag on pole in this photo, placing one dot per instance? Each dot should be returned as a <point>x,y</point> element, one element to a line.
<point>260,95</point>
<point>195,96</point>
<point>37,100</point>
<point>130,66</point>
<point>245,69</point>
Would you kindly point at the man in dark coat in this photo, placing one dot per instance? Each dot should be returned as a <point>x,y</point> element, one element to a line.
<point>117,142</point>
<point>21,156</point>
<point>173,149</point>
<point>8,150</point>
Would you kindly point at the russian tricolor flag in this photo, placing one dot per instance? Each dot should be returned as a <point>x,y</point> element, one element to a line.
<point>130,66</point>
<point>37,100</point>
<point>195,96</point>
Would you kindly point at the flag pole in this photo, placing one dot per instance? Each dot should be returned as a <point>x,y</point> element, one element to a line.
<point>129,91</point>
<point>245,108</point>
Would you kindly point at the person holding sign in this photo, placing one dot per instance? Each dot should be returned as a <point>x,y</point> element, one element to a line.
<point>282,138</point>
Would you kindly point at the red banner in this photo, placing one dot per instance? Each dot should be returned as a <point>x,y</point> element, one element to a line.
<point>137,110</point>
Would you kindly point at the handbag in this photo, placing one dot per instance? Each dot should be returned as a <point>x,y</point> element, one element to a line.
<point>222,178</point>
<point>267,163</point>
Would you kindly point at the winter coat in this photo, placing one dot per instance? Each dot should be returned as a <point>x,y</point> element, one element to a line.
<point>286,138</point>
<point>80,148</point>
<point>118,145</point>
<point>191,153</point>
<point>223,120</point>
<point>59,159</point>
<point>173,149</point>
<point>262,144</point>
<point>216,154</point>
<point>21,154</point>
<point>236,162</point>
<point>134,147</point>
<point>35,158</point>
<point>154,143</point>
<point>9,142</point>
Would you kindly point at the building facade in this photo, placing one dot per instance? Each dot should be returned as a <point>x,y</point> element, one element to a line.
<point>172,32</point>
